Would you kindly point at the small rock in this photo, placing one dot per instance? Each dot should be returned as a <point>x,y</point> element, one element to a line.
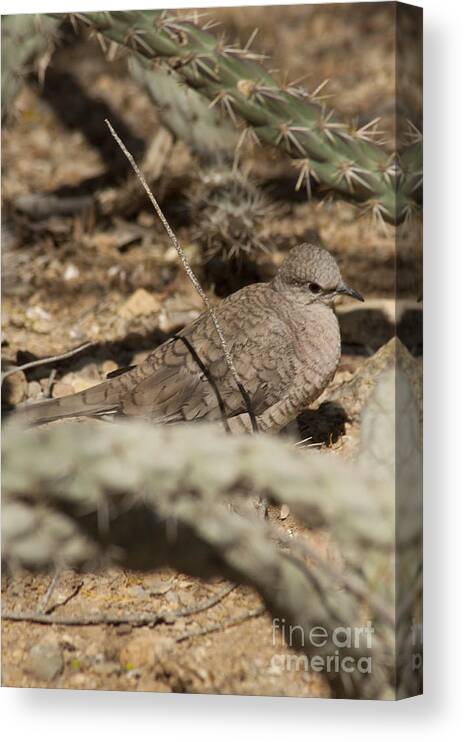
<point>90,368</point>
<point>41,326</point>
<point>155,586</point>
<point>136,591</point>
<point>141,303</point>
<point>17,322</point>
<point>145,219</point>
<point>15,388</point>
<point>40,319</point>
<point>139,652</point>
<point>75,333</point>
<point>187,598</point>
<point>80,680</point>
<point>38,313</point>
<point>171,255</point>
<point>67,642</point>
<point>71,272</point>
<point>180,308</point>
<point>80,384</point>
<point>284,512</point>
<point>133,674</point>
<point>97,659</point>
<point>108,367</point>
<point>94,331</point>
<point>106,668</point>
<point>172,596</point>
<point>34,389</point>
<point>170,321</point>
<point>46,661</point>
<point>61,390</point>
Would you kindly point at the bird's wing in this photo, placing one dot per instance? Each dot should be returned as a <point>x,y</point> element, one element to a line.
<point>183,378</point>
<point>163,384</point>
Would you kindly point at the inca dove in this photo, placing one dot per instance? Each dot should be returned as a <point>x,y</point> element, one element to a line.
<point>283,336</point>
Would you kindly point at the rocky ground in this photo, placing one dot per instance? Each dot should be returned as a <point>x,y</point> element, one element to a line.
<point>106,275</point>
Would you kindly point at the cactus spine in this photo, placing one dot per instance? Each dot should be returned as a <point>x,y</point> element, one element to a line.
<point>229,212</point>
<point>27,42</point>
<point>342,159</point>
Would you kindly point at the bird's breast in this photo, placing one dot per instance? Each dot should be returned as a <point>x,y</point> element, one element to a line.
<point>319,347</point>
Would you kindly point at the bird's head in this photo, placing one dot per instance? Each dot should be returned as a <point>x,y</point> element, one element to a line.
<point>310,274</point>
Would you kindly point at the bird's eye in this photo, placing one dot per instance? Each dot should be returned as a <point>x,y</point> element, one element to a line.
<point>315,288</point>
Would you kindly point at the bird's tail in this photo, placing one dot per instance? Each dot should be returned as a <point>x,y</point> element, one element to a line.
<point>104,397</point>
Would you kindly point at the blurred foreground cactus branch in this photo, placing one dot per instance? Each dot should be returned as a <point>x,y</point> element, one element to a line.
<point>340,157</point>
<point>103,497</point>
<point>144,497</point>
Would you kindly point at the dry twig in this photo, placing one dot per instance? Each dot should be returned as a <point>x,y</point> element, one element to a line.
<point>47,360</point>
<point>191,275</point>
<point>222,625</point>
<point>143,619</point>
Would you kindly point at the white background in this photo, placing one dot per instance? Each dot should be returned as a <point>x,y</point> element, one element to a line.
<point>81,715</point>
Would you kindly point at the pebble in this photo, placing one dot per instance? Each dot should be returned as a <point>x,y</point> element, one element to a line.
<point>141,303</point>
<point>41,326</point>
<point>172,596</point>
<point>139,652</point>
<point>37,312</point>
<point>284,512</point>
<point>39,319</point>
<point>106,668</point>
<point>80,680</point>
<point>15,388</point>
<point>61,390</point>
<point>80,384</point>
<point>46,661</point>
<point>108,367</point>
<point>156,586</point>
<point>34,389</point>
<point>94,331</point>
<point>17,322</point>
<point>90,367</point>
<point>136,591</point>
<point>187,598</point>
<point>68,642</point>
<point>71,272</point>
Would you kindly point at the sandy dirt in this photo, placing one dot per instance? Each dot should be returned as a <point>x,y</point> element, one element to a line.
<point>109,276</point>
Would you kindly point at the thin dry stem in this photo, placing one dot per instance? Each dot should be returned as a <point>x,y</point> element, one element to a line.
<point>136,619</point>
<point>222,625</point>
<point>47,360</point>
<point>190,274</point>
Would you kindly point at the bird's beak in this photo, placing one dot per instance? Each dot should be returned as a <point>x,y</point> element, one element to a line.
<point>349,292</point>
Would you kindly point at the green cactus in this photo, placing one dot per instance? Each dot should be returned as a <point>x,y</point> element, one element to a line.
<point>342,159</point>
<point>185,112</point>
<point>25,39</point>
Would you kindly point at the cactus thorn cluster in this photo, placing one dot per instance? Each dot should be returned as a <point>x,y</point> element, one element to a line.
<point>229,212</point>
<point>343,158</point>
<point>28,42</point>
